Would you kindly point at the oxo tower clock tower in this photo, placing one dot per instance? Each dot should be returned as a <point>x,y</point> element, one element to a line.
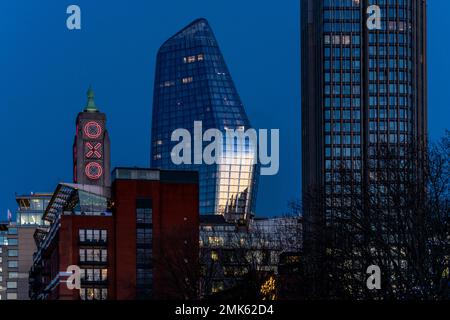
<point>91,149</point>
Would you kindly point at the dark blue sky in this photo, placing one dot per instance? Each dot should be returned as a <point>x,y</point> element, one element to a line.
<point>45,70</point>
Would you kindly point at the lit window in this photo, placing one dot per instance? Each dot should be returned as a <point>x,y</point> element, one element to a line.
<point>214,256</point>
<point>82,235</point>
<point>11,296</point>
<point>104,274</point>
<point>217,287</point>
<point>218,241</point>
<point>82,255</point>
<point>166,84</point>
<point>11,285</point>
<point>12,253</point>
<point>187,80</point>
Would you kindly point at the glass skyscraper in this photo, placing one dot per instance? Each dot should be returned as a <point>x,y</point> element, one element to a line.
<point>363,89</point>
<point>193,83</point>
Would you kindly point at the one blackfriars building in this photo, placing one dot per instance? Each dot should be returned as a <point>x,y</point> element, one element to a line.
<point>363,89</point>
<point>193,84</point>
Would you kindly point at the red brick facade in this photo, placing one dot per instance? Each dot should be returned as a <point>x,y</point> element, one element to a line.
<point>174,242</point>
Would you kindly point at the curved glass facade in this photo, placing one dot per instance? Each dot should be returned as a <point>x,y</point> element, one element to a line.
<point>192,83</point>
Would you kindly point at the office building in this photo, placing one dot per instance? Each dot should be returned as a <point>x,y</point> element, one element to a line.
<point>18,245</point>
<point>8,286</point>
<point>29,217</point>
<point>235,258</point>
<point>193,84</point>
<point>78,233</point>
<point>364,93</point>
<point>156,231</point>
<point>138,242</point>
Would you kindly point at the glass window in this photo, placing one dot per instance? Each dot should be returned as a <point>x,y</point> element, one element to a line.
<point>12,231</point>
<point>82,255</point>
<point>97,255</point>
<point>144,235</point>
<point>83,294</point>
<point>82,234</point>
<point>11,285</point>
<point>90,293</point>
<point>11,296</point>
<point>104,255</point>
<point>104,276</point>
<point>104,235</point>
<point>144,256</point>
<point>12,253</point>
<point>94,294</point>
<point>104,294</point>
<point>96,235</point>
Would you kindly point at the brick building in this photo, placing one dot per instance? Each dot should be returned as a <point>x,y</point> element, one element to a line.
<point>137,240</point>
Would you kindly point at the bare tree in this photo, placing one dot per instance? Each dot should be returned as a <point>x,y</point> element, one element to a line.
<point>176,264</point>
<point>395,217</point>
<point>245,260</point>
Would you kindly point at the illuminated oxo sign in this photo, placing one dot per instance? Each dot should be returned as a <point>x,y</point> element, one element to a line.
<point>92,130</point>
<point>93,170</point>
<point>93,150</point>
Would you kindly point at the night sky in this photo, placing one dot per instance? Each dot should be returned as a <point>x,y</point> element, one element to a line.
<point>45,70</point>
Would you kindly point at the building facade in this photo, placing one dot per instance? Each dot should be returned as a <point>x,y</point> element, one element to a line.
<point>8,261</point>
<point>29,217</point>
<point>91,148</point>
<point>364,94</point>
<point>126,243</point>
<point>236,257</point>
<point>156,220</point>
<point>79,232</point>
<point>18,245</point>
<point>193,84</point>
